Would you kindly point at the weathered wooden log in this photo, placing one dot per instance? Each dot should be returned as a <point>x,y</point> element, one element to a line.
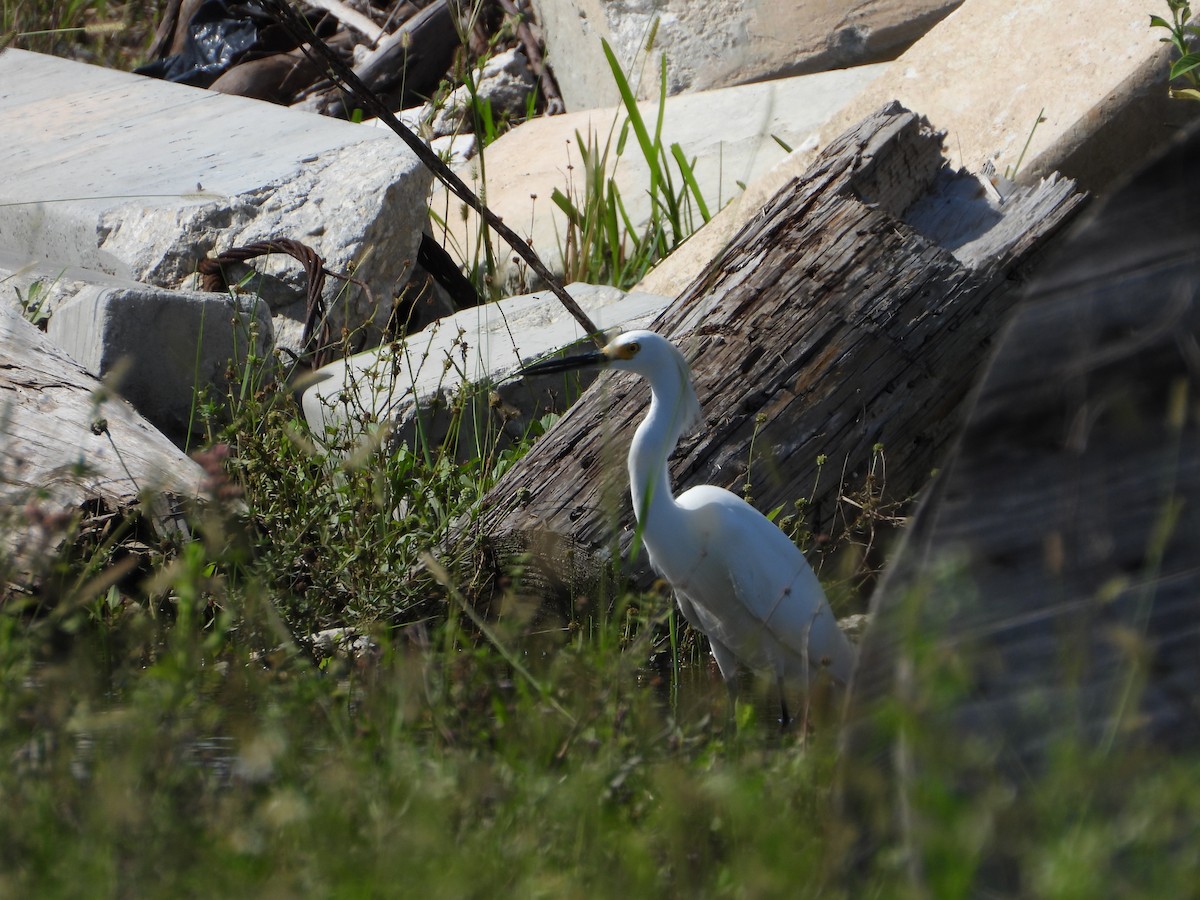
<point>407,65</point>
<point>1047,597</point>
<point>854,312</point>
<point>67,443</point>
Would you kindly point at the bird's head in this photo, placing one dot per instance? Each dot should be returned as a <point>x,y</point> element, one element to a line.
<point>645,353</point>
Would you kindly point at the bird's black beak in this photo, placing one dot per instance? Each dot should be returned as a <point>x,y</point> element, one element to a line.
<point>566,363</point>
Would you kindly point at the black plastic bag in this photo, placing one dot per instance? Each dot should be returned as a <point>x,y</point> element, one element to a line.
<point>219,34</point>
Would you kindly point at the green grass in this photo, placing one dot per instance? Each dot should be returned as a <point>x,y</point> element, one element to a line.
<point>114,34</point>
<point>169,731</point>
<point>601,244</point>
<point>1182,34</point>
<point>424,774</point>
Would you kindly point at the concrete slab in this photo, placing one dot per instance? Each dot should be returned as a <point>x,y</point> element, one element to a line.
<point>411,385</point>
<point>730,133</point>
<point>162,343</point>
<point>159,347</point>
<point>1092,70</point>
<point>715,45</point>
<point>140,178</point>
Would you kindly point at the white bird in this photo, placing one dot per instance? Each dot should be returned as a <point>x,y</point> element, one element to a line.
<point>736,576</point>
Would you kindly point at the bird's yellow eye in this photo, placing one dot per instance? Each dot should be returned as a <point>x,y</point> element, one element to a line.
<point>622,351</point>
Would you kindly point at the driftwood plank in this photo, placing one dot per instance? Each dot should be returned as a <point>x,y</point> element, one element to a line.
<point>831,324</point>
<point>1051,580</point>
<point>67,441</point>
<point>406,66</point>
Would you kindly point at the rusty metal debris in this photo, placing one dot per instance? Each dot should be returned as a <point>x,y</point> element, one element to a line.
<point>317,342</point>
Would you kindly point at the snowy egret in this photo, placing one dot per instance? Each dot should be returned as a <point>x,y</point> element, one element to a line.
<point>736,576</point>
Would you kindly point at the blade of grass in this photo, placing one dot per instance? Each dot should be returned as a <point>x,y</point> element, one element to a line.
<point>631,110</point>
<point>689,178</point>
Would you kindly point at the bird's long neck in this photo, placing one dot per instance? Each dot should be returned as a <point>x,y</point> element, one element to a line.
<point>649,480</point>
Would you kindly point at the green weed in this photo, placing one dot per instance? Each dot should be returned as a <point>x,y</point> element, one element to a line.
<point>34,302</point>
<point>1182,34</point>
<point>601,244</point>
<point>169,727</point>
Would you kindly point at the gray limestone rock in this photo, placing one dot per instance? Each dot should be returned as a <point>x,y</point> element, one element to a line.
<point>141,179</point>
<point>408,388</point>
<point>159,347</point>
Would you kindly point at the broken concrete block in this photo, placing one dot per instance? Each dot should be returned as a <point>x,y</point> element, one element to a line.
<point>410,387</point>
<point>141,178</point>
<point>991,104</point>
<point>160,347</point>
<point>37,288</point>
<point>716,45</point>
<point>527,164</point>
<point>70,447</point>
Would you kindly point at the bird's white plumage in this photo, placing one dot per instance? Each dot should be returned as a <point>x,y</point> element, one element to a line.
<point>737,577</point>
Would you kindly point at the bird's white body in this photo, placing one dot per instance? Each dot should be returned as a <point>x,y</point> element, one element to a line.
<point>736,576</point>
<point>750,591</point>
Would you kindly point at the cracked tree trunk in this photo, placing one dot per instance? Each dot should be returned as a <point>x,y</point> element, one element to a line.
<point>1050,578</point>
<point>854,312</point>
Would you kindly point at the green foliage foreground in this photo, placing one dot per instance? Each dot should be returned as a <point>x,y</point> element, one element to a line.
<point>164,733</point>
<point>166,730</point>
<point>424,774</point>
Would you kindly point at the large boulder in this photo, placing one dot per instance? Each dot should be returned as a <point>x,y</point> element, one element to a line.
<point>1079,87</point>
<point>141,179</point>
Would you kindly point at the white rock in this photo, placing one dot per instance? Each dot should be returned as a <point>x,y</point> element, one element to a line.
<point>455,149</point>
<point>415,119</point>
<point>989,103</point>
<point>160,346</point>
<point>504,82</point>
<point>344,643</point>
<point>142,178</point>
<point>719,43</point>
<point>452,117</point>
<point>46,285</point>
<point>481,346</point>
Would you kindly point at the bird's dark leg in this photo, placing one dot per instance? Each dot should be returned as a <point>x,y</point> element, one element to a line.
<point>732,688</point>
<point>785,718</point>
